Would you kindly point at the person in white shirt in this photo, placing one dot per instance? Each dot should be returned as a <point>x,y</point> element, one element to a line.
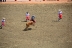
<point>2,23</point>
<point>27,16</point>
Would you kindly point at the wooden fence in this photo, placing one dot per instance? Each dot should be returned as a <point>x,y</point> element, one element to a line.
<point>34,0</point>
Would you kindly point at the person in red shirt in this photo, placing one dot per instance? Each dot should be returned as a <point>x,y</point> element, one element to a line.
<point>60,15</point>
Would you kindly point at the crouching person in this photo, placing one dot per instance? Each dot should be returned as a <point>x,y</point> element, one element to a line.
<point>31,22</point>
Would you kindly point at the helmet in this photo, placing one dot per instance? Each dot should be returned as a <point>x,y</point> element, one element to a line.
<point>33,17</point>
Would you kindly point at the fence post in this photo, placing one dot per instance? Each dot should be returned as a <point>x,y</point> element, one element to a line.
<point>29,0</point>
<point>43,0</point>
<point>15,0</point>
<point>57,0</point>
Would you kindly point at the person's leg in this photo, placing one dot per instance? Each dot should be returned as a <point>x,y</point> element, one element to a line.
<point>26,18</point>
<point>3,24</point>
<point>58,19</point>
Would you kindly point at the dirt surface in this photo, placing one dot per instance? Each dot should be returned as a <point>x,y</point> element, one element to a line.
<point>47,32</point>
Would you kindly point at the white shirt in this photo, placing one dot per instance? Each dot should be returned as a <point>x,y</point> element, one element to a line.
<point>27,14</point>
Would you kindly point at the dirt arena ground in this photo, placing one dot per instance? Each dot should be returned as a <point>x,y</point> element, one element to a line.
<point>47,32</point>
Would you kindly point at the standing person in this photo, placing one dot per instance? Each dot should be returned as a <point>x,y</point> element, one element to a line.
<point>2,22</point>
<point>27,16</point>
<point>31,22</point>
<point>59,15</point>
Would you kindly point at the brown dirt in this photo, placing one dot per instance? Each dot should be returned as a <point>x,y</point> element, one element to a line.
<point>47,33</point>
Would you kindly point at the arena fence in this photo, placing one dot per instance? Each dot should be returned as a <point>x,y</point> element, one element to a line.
<point>33,0</point>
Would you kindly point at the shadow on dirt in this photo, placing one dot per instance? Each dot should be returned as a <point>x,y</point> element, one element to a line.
<point>23,21</point>
<point>55,21</point>
<point>27,29</point>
